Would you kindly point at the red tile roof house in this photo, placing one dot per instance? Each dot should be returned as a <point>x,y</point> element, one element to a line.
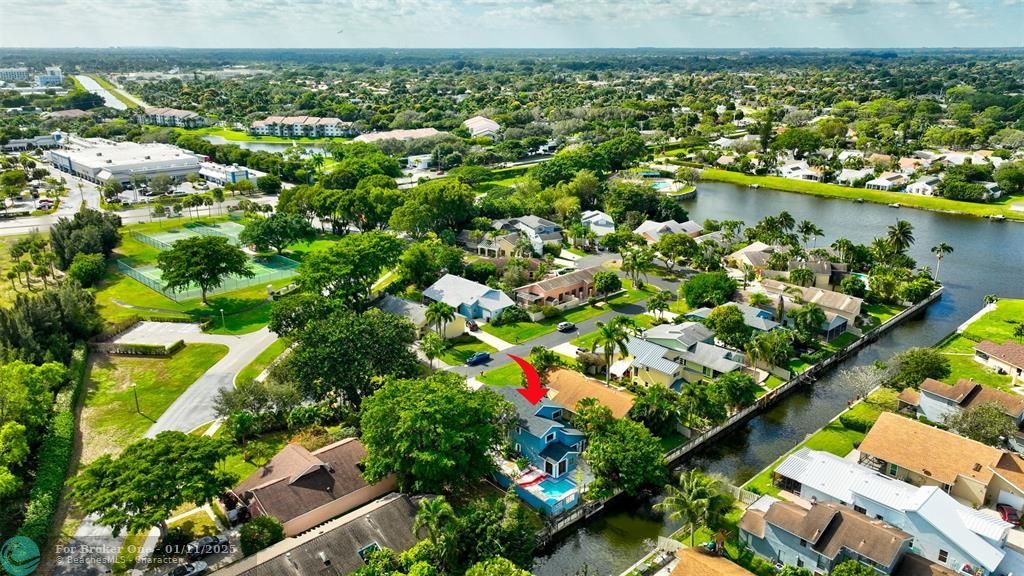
<point>565,289</point>
<point>304,489</point>
<point>1007,357</point>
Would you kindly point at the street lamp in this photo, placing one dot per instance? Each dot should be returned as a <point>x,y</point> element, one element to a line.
<point>223,323</point>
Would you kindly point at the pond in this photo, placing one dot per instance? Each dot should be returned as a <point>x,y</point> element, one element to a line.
<point>265,146</point>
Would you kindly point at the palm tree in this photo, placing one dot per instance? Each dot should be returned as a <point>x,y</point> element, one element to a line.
<point>1018,332</point>
<point>786,221</point>
<point>940,252</point>
<point>432,346</point>
<point>802,276</point>
<point>991,298</point>
<point>439,314</point>
<point>11,275</point>
<point>611,337</point>
<point>759,300</point>
<point>844,247</point>
<point>690,500</point>
<point>749,273</point>
<point>901,235</point>
<point>658,303</point>
<point>435,515</point>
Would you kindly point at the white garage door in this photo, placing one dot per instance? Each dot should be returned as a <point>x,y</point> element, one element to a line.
<point>1012,499</point>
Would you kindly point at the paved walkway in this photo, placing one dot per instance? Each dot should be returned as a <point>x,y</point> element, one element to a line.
<point>491,339</point>
<point>96,547</point>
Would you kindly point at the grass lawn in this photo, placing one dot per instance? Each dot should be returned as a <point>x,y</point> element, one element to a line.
<point>575,251</point>
<point>129,552</point>
<point>508,375</point>
<point>960,352</point>
<point>797,366</point>
<point>299,250</point>
<point>672,441</point>
<point>240,136</point>
<point>8,291</point>
<point>198,524</point>
<point>109,420</point>
<point>524,331</point>
<point>842,341</point>
<point>103,82</point>
<point>877,196</point>
<point>773,382</point>
<point>262,361</point>
<point>998,325</point>
<point>244,460</point>
<point>834,437</point>
<point>679,306</point>
<point>585,341</point>
<point>882,312</point>
<point>460,348</point>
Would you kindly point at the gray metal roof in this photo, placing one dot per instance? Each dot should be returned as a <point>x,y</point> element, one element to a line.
<point>455,290</point>
<point>415,312</point>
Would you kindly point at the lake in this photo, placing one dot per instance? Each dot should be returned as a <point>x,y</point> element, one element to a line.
<point>988,259</point>
<point>264,146</point>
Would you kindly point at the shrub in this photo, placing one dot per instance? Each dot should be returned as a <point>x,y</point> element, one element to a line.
<point>855,420</point>
<point>88,269</point>
<point>553,249</point>
<point>259,533</point>
<point>321,414</point>
<point>511,315</point>
<point>175,540</point>
<point>550,311</point>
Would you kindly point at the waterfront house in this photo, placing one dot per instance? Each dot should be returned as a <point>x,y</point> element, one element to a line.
<point>417,314</point>
<point>992,191</point>
<point>800,170</point>
<point>471,299</point>
<point>849,176</point>
<point>304,489</point>
<point>820,536</point>
<point>341,546</point>
<point>887,181</point>
<point>568,387</point>
<point>652,231</point>
<point>936,400</point>
<point>598,222</point>
<point>971,472</point>
<point>926,186</point>
<point>757,319</point>
<point>697,562</point>
<point>841,310</point>
<point>755,254</point>
<point>826,272</point>
<point>670,354</point>
<point>566,290</point>
<point>1006,358</point>
<point>539,231</point>
<point>552,448</point>
<point>945,531</point>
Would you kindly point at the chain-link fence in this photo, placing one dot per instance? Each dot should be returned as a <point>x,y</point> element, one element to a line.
<point>267,269</point>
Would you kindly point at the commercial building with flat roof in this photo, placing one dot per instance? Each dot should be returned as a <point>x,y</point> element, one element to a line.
<point>101,161</point>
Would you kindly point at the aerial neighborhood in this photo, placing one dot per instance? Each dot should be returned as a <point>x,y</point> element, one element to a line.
<point>512,312</point>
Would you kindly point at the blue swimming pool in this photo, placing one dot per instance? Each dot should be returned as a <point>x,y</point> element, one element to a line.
<point>556,488</point>
<point>661,185</point>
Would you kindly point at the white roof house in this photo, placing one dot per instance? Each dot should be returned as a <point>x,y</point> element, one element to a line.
<point>925,186</point>
<point>653,231</point>
<point>471,299</point>
<point>800,170</point>
<point>886,181</point>
<point>598,222</point>
<point>848,176</point>
<point>482,126</point>
<point>936,519</point>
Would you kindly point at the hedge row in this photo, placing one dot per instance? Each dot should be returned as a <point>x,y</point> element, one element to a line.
<point>126,349</point>
<point>54,457</point>
<point>115,328</point>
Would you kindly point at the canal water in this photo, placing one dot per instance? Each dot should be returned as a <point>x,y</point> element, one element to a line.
<point>93,86</point>
<point>988,258</point>
<point>264,146</point>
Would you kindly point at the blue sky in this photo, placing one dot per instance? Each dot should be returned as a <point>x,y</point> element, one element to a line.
<point>512,23</point>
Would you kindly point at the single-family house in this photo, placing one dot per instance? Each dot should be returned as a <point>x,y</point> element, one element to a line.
<point>539,231</point>
<point>937,400</point>
<point>908,164</point>
<point>925,186</point>
<point>879,159</point>
<point>887,181</point>
<point>841,310</point>
<point>945,531</point>
<point>800,170</point>
<point>418,162</point>
<point>992,191</point>
<point>567,289</point>
<point>1007,358</point>
<point>671,354</point>
<point>826,272</point>
<point>417,314</point>
<point>493,244</point>
<point>304,489</point>
<point>717,237</point>
<point>758,319</point>
<point>568,387</point>
<point>849,176</point>
<point>755,254</point>
<point>652,231</point>
<point>697,562</point>
<point>339,547</point>
<point>532,267</point>
<point>598,222</point>
<point>471,299</point>
<point>479,126</point>
<point>969,471</point>
<point>850,154</point>
<point>821,536</point>
<point>544,438</point>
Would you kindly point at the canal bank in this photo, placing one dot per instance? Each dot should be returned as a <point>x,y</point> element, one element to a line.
<point>988,259</point>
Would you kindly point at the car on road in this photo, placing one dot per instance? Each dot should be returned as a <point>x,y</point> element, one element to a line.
<point>566,327</point>
<point>1008,514</point>
<point>478,358</point>
<point>190,569</point>
<point>205,546</point>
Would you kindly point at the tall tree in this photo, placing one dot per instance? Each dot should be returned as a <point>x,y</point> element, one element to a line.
<point>203,261</point>
<point>901,235</point>
<point>276,231</point>
<point>689,500</point>
<point>940,251</point>
<point>347,269</point>
<point>612,337</point>
<point>438,315</point>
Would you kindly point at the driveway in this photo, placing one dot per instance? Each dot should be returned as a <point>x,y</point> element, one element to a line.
<point>94,548</point>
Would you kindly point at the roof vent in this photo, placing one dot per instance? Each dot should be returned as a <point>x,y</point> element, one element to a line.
<point>977,467</point>
<point>324,558</point>
<point>927,472</point>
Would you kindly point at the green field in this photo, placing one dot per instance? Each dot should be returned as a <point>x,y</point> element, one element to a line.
<point>263,361</point>
<point>109,420</point>
<point>459,349</point>
<point>524,331</point>
<point>997,326</point>
<point>877,196</point>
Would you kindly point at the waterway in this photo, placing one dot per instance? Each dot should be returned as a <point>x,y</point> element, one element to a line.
<point>988,258</point>
<point>109,99</point>
<point>264,146</point>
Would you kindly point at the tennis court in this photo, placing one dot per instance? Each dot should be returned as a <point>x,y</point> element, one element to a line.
<point>164,239</point>
<point>266,269</point>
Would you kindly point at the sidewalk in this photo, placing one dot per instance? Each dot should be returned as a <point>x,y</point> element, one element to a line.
<point>490,339</point>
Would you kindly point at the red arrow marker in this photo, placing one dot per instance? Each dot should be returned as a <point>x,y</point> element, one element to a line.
<point>533,391</point>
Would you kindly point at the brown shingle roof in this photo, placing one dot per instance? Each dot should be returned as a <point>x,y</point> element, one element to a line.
<point>297,481</point>
<point>569,387</point>
<point>753,522</point>
<point>1009,352</point>
<point>831,528</point>
<point>1012,404</point>
<point>914,565</point>
<point>909,396</point>
<point>929,451</point>
<point>957,393</point>
<point>693,562</point>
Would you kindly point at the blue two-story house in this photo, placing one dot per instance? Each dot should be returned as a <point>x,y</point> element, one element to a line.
<point>551,446</point>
